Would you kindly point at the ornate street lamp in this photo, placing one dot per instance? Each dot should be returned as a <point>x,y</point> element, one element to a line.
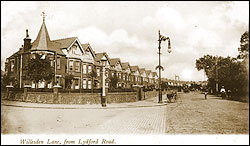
<point>161,38</point>
<point>103,97</point>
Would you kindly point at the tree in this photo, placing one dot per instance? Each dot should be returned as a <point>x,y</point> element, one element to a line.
<point>38,69</point>
<point>6,80</point>
<point>68,80</point>
<point>244,46</point>
<point>206,63</point>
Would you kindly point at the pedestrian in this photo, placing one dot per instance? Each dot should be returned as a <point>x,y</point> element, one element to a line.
<point>223,92</point>
<point>229,93</point>
<point>205,93</point>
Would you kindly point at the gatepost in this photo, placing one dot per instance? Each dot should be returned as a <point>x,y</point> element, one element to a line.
<point>25,96</point>
<point>139,91</point>
<point>104,98</point>
<point>56,97</point>
<point>9,87</point>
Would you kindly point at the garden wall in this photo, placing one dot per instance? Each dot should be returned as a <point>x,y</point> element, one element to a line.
<point>71,98</point>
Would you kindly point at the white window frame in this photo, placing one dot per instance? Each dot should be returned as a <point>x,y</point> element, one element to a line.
<point>84,83</point>
<point>71,65</point>
<point>98,72</point>
<point>89,68</point>
<point>77,66</point>
<point>84,68</point>
<point>89,84</point>
<point>58,63</point>
<point>78,80</point>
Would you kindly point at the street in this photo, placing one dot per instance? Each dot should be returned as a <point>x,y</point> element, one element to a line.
<point>191,114</point>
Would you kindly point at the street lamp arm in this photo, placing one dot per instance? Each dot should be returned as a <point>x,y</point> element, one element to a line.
<point>159,67</point>
<point>163,38</point>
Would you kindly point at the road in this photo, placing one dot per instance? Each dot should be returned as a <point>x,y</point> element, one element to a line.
<point>191,114</point>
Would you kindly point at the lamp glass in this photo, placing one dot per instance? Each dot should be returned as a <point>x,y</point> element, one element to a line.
<point>169,50</point>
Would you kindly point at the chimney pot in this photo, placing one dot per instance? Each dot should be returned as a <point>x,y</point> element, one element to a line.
<point>27,35</point>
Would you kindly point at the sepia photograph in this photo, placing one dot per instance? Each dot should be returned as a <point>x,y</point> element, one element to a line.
<point>124,72</point>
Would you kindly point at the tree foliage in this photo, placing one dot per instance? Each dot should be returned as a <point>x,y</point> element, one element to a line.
<point>229,72</point>
<point>68,80</point>
<point>38,69</point>
<point>6,80</point>
<point>244,46</point>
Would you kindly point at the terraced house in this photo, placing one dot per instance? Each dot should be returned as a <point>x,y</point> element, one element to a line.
<point>126,73</point>
<point>68,56</point>
<point>108,69</point>
<point>135,75</point>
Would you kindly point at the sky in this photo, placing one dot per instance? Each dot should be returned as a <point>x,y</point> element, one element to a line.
<point>129,30</point>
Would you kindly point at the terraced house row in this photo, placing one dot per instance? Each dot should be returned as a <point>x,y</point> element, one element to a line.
<point>70,56</point>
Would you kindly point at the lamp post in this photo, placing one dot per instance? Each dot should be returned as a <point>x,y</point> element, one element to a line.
<point>216,75</point>
<point>103,97</point>
<point>161,38</point>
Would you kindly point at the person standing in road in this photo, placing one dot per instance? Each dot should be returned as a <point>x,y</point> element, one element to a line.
<point>205,93</point>
<point>223,92</point>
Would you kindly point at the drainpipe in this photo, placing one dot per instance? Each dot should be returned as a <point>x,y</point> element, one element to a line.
<point>21,70</point>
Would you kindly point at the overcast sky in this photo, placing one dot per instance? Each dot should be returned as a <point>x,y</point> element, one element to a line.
<point>129,30</point>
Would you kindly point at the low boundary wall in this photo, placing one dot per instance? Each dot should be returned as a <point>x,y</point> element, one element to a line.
<point>70,98</point>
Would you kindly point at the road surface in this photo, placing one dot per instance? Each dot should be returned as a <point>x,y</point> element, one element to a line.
<point>191,114</point>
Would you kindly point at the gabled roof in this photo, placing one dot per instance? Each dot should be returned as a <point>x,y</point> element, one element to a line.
<point>125,65</point>
<point>114,61</point>
<point>18,52</point>
<point>98,56</point>
<point>148,72</point>
<point>66,42</point>
<point>142,70</point>
<point>43,42</point>
<point>154,74</point>
<point>86,46</point>
<point>134,68</point>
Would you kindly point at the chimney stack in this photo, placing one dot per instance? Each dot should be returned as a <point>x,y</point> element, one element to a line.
<point>27,40</point>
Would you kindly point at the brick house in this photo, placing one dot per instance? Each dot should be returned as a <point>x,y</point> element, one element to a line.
<point>155,79</point>
<point>149,77</point>
<point>135,75</point>
<point>116,69</point>
<point>144,81</point>
<point>67,56</point>
<point>126,73</point>
<point>99,66</point>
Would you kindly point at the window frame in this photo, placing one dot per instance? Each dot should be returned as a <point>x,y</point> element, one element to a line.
<point>58,63</point>
<point>71,65</point>
<point>77,66</point>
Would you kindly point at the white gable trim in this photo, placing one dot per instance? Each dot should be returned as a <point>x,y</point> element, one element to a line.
<point>91,51</point>
<point>79,43</point>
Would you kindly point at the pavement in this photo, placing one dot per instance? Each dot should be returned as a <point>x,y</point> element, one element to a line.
<point>141,117</point>
<point>150,102</point>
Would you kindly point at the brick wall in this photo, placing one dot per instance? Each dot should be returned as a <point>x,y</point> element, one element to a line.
<point>150,94</point>
<point>120,97</point>
<point>72,98</point>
